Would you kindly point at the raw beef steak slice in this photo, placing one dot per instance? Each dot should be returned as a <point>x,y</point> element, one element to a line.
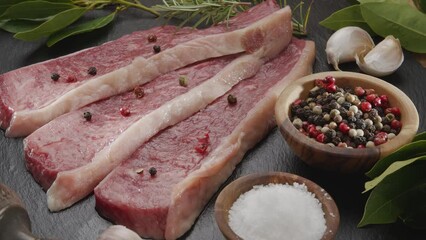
<point>70,141</point>
<point>193,158</point>
<point>21,111</point>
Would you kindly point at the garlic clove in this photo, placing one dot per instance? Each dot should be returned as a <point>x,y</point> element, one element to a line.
<point>118,232</point>
<point>346,43</point>
<point>382,60</point>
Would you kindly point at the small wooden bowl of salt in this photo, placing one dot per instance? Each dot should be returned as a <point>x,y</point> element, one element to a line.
<point>276,205</point>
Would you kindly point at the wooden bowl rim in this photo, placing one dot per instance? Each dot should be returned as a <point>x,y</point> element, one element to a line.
<point>245,183</point>
<point>409,127</point>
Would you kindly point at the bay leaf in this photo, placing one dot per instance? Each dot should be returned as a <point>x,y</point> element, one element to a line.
<point>391,169</point>
<point>56,23</point>
<point>35,10</point>
<point>420,136</point>
<point>408,151</point>
<point>402,21</point>
<point>349,16</point>
<point>395,196</point>
<point>82,28</point>
<point>5,4</point>
<point>20,25</point>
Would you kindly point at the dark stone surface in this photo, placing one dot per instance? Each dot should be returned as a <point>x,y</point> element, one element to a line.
<point>82,222</point>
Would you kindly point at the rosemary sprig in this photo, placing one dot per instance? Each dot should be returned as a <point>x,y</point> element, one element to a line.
<point>211,12</point>
<point>207,11</point>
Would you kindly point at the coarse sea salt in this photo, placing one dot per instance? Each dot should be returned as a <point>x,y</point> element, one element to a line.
<point>278,211</point>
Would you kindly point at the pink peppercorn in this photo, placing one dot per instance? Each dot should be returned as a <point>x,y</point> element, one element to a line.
<point>377,102</point>
<point>320,138</point>
<point>329,80</point>
<point>359,91</point>
<point>395,124</point>
<point>313,133</point>
<point>125,112</point>
<point>71,79</point>
<point>385,101</point>
<point>331,88</point>
<point>365,106</point>
<point>344,128</point>
<point>370,98</point>
<point>297,102</point>
<point>396,111</point>
<point>380,138</point>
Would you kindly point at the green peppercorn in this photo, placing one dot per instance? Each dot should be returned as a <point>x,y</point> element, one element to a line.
<point>183,81</point>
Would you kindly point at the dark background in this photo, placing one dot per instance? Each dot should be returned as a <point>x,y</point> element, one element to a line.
<point>82,222</point>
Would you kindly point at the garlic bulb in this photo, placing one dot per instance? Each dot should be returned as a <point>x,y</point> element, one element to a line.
<point>346,43</point>
<point>118,232</point>
<point>382,60</point>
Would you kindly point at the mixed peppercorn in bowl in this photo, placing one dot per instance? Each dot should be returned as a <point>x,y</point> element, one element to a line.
<point>344,121</point>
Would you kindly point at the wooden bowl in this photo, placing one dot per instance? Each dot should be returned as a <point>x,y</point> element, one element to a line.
<point>344,160</point>
<point>230,194</point>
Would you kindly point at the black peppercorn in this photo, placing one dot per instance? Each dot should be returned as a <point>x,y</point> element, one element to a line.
<point>152,171</point>
<point>360,140</point>
<point>232,99</point>
<point>55,77</point>
<point>386,128</point>
<point>351,119</point>
<point>336,141</point>
<point>294,109</point>
<point>157,48</point>
<point>373,113</point>
<point>92,71</point>
<point>87,116</point>
<point>346,105</point>
<point>300,113</point>
<point>330,134</point>
<point>360,124</point>
<point>368,135</point>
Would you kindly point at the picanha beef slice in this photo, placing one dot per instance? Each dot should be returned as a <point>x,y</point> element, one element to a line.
<point>17,105</point>
<point>194,157</point>
<point>70,141</point>
<point>72,186</point>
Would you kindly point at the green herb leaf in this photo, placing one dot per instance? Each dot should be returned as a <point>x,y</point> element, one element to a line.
<point>391,169</point>
<point>58,22</point>
<point>411,150</point>
<point>35,10</point>
<point>401,20</point>
<point>5,4</point>
<point>396,195</point>
<point>350,16</point>
<point>420,136</point>
<point>19,25</point>
<point>82,28</point>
